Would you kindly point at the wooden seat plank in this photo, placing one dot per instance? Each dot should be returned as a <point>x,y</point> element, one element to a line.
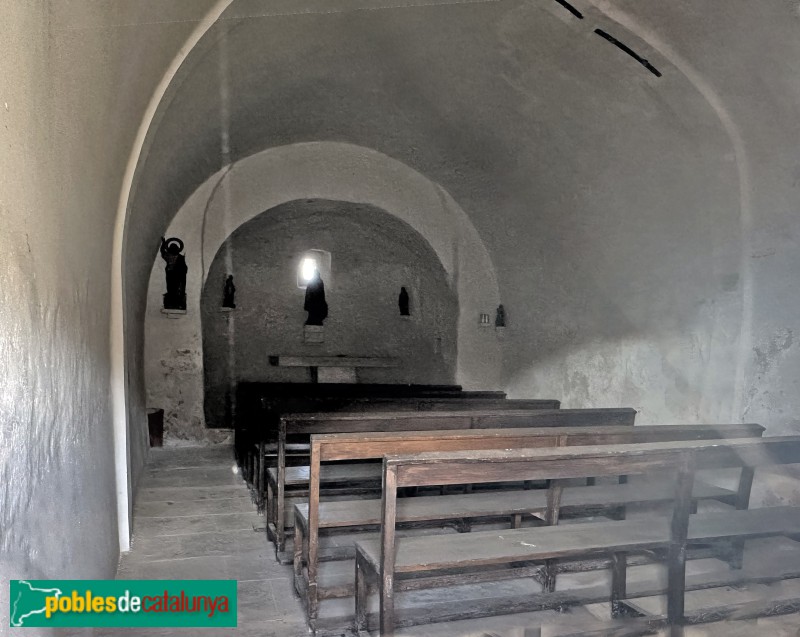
<point>331,473</point>
<point>349,513</point>
<point>488,548</point>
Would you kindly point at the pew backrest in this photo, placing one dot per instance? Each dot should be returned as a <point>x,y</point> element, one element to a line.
<point>372,445</point>
<point>307,424</point>
<point>456,419</point>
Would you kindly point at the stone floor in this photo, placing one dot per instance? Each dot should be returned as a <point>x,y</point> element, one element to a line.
<point>194,520</point>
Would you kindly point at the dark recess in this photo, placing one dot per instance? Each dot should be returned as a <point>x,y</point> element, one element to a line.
<point>628,50</point>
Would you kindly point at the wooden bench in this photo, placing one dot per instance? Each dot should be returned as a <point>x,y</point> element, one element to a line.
<point>420,562</point>
<point>307,424</point>
<point>312,516</point>
<point>259,405</point>
<point>262,449</point>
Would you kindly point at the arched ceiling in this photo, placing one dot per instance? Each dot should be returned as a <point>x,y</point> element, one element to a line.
<point>489,99</point>
<point>510,105</point>
<point>610,200</point>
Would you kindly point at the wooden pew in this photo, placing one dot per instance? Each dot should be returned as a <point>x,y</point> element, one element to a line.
<point>259,405</point>
<point>306,424</point>
<point>257,400</point>
<point>312,516</point>
<point>419,562</point>
<point>261,448</point>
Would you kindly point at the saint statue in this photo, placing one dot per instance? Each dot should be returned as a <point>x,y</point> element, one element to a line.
<point>175,298</point>
<point>500,317</point>
<point>315,303</point>
<point>403,301</point>
<point>228,293</point>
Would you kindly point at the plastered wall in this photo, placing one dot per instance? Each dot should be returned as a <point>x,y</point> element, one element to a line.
<point>74,86</point>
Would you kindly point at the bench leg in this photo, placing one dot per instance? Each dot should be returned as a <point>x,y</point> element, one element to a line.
<point>675,593</point>
<point>280,527</point>
<point>618,513</point>
<point>259,478</point>
<point>362,593</point>
<point>549,576</point>
<point>676,555</point>
<point>736,555</point>
<point>269,510</point>
<point>463,525</point>
<point>298,558</point>
<point>312,592</point>
<point>516,521</point>
<point>387,607</point>
<point>619,577</point>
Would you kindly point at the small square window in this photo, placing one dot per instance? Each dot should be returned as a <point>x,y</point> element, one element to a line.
<point>311,262</point>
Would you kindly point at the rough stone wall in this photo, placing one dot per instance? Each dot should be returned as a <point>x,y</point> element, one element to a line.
<point>373,254</point>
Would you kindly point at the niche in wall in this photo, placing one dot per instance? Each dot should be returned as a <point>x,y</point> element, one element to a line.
<point>372,254</point>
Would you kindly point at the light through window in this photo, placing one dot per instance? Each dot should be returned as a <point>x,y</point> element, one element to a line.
<point>307,269</point>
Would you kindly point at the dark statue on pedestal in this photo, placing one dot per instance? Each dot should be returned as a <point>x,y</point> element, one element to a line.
<point>228,293</point>
<point>315,303</point>
<point>403,302</point>
<point>500,317</point>
<point>175,298</point>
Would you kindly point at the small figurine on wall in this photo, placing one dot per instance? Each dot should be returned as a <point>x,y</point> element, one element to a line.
<point>228,293</point>
<point>175,298</point>
<point>500,317</point>
<point>403,302</point>
<point>315,303</point>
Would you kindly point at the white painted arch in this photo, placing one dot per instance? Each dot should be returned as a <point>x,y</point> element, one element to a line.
<point>320,170</point>
<point>118,383</point>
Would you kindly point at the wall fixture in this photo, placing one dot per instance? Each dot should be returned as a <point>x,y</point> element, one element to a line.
<point>486,320</point>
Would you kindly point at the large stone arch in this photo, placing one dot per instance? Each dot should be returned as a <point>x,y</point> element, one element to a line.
<point>333,171</point>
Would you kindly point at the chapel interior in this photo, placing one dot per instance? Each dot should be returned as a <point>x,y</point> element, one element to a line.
<point>426,318</point>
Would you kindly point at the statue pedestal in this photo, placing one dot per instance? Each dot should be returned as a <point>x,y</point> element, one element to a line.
<point>173,314</point>
<point>333,369</point>
<point>314,333</point>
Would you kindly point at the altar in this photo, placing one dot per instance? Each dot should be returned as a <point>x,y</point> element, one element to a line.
<point>334,369</point>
